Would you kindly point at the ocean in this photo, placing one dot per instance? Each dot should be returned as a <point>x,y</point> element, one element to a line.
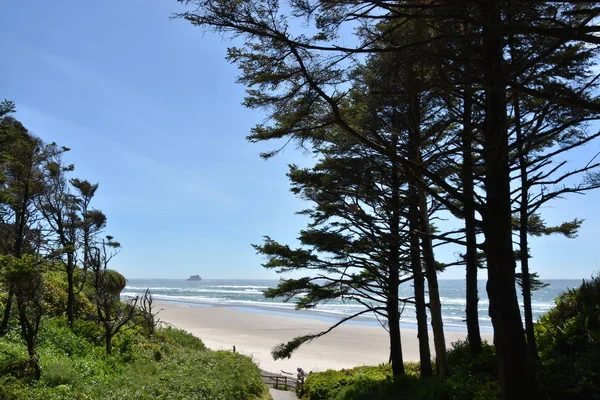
<point>246,295</point>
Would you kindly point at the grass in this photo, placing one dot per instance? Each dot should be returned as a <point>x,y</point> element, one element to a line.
<point>171,365</point>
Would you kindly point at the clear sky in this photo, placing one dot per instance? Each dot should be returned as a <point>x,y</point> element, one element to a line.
<point>151,111</point>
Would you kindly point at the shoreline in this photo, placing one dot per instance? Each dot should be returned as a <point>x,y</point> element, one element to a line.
<point>314,314</point>
<point>255,334</point>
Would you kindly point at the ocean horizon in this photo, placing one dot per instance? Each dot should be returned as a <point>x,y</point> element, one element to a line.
<point>247,295</point>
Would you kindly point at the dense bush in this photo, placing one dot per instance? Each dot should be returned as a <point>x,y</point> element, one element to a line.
<point>459,355</point>
<point>12,388</point>
<point>115,282</point>
<point>182,338</point>
<point>59,338</point>
<point>13,357</point>
<point>569,343</point>
<point>171,365</point>
<point>187,374</point>
<point>58,373</point>
<point>55,296</point>
<point>471,379</point>
<point>365,382</point>
<point>569,367</point>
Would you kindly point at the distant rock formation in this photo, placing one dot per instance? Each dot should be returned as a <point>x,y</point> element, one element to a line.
<point>194,278</point>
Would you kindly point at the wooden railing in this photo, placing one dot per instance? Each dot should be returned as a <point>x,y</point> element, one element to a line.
<point>280,381</point>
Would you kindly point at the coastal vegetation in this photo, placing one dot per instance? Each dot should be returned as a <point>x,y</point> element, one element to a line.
<point>569,349</point>
<point>171,364</point>
<point>65,331</point>
<point>432,124</point>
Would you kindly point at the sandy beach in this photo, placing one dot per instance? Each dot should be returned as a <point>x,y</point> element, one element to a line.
<point>255,334</point>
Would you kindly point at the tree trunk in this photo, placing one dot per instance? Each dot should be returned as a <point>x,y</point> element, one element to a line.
<point>413,120</point>
<point>7,310</point>
<point>435,306</point>
<point>523,231</point>
<point>70,289</point>
<point>471,261</point>
<point>516,377</point>
<point>529,330</point>
<point>29,336</point>
<point>419,286</point>
<point>396,357</point>
<point>20,220</point>
<point>108,338</point>
<point>17,252</point>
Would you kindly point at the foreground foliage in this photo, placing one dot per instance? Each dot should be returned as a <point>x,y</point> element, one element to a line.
<point>471,379</point>
<point>569,365</point>
<point>171,365</point>
<point>162,363</point>
<point>569,344</point>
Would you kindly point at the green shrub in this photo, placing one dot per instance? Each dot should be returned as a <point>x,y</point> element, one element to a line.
<point>369,382</point>
<point>151,351</point>
<point>171,365</point>
<point>568,338</point>
<point>179,337</point>
<point>13,357</point>
<point>58,373</point>
<point>88,329</point>
<point>472,378</point>
<point>573,324</point>
<point>3,296</point>
<point>186,374</point>
<point>55,296</point>
<point>12,388</point>
<point>115,282</point>
<point>488,391</point>
<point>459,357</point>
<point>56,334</point>
<point>124,342</point>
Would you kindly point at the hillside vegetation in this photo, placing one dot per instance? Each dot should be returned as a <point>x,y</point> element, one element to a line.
<point>169,364</point>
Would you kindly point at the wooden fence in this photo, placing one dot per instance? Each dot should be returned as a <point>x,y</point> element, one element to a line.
<point>280,381</point>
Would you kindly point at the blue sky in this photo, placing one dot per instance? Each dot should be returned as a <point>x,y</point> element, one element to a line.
<point>151,111</point>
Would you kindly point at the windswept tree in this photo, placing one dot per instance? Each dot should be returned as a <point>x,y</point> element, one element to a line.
<point>60,208</point>
<point>355,247</point>
<point>92,220</point>
<point>390,105</point>
<point>91,223</point>
<point>148,312</point>
<point>7,107</point>
<point>544,130</point>
<point>302,78</point>
<point>111,313</point>
<point>41,213</point>
<point>21,166</point>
